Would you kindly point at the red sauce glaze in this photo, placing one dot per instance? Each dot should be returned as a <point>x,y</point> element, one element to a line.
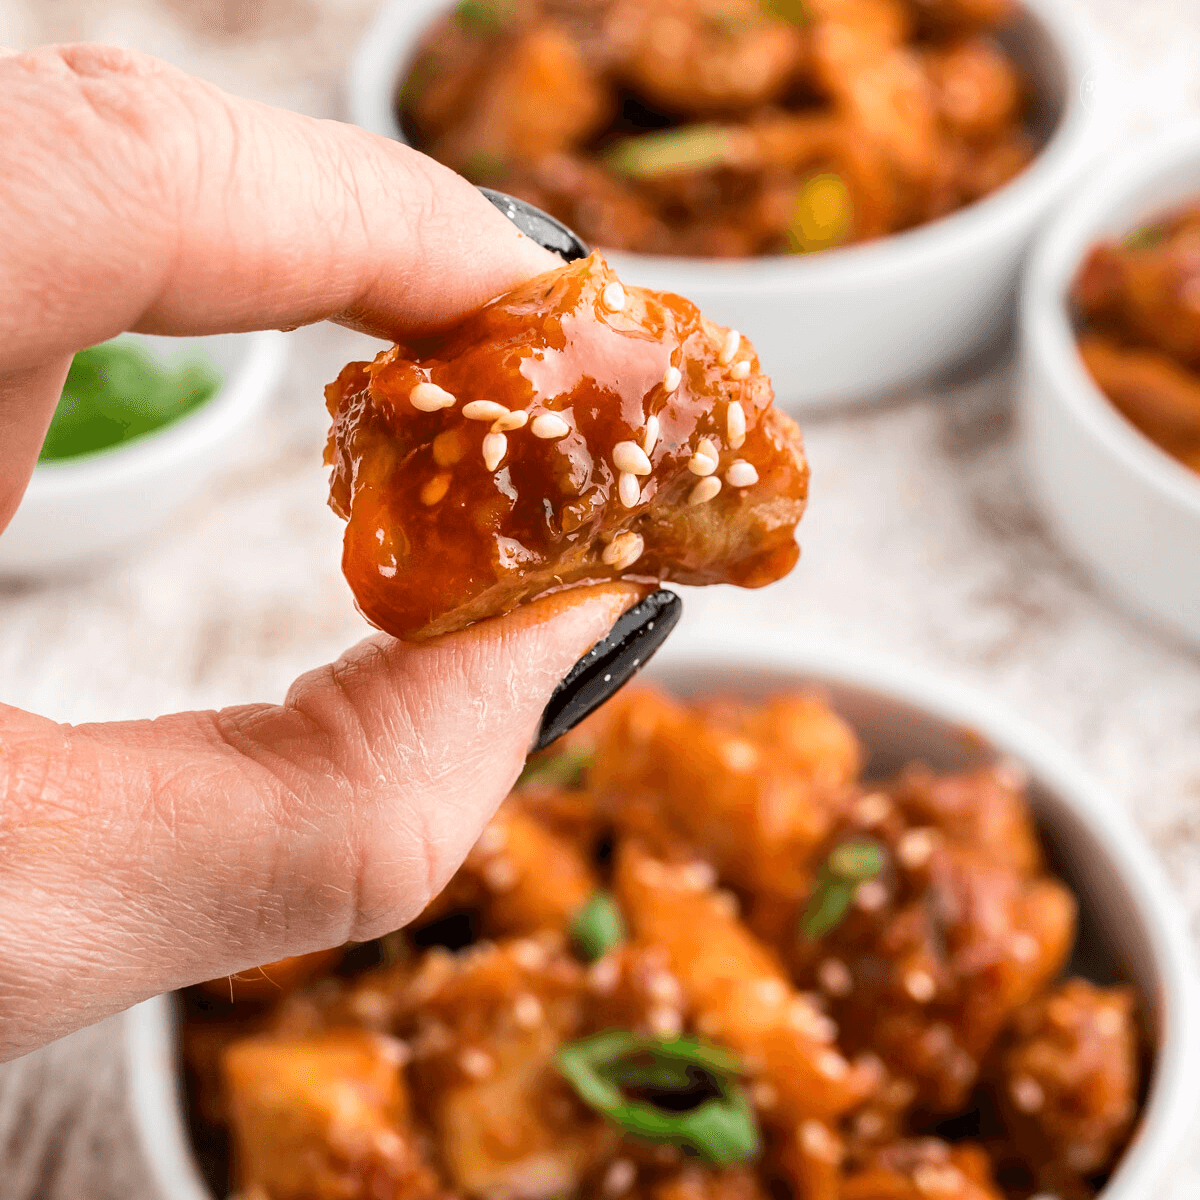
<point>437,538</point>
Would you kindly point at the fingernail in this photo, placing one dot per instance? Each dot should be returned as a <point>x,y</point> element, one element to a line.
<point>549,233</point>
<point>610,664</point>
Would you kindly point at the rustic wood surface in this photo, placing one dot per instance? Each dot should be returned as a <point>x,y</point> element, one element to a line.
<point>921,543</point>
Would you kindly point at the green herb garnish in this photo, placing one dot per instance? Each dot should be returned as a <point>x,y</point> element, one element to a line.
<point>1148,238</point>
<point>598,926</point>
<point>117,392</point>
<point>847,866</point>
<point>566,768</point>
<point>486,16</point>
<point>690,148</point>
<point>420,76</point>
<point>824,214</point>
<point>485,166</point>
<point>677,1091</point>
<point>794,11</point>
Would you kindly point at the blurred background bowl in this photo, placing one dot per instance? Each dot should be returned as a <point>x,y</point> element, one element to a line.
<point>1130,927</point>
<point>851,323</point>
<point>81,514</point>
<point>1121,505</point>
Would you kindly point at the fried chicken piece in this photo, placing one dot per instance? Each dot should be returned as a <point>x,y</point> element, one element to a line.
<point>572,431</point>
<point>1069,1082</point>
<point>323,1118</point>
<point>922,1168</point>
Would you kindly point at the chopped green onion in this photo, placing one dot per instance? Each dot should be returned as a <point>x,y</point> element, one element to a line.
<point>485,16</point>
<point>720,1128</point>
<point>795,11</point>
<point>485,166</point>
<point>598,926</point>
<point>565,768</point>
<point>419,77</point>
<point>1148,238</point>
<point>690,148</point>
<point>824,214</point>
<point>847,866</point>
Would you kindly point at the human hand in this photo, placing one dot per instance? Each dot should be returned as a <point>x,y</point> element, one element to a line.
<point>142,856</point>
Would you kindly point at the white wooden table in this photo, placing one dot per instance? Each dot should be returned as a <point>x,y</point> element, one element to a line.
<point>921,543</point>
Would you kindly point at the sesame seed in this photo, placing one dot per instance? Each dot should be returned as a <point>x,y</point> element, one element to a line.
<point>435,490</point>
<point>832,1065</point>
<point>698,876</point>
<point>870,895</point>
<point>629,456</point>
<point>495,447</point>
<point>475,1063</point>
<point>741,474</point>
<point>432,1038</point>
<point>629,489</point>
<point>817,1141</point>
<point>737,753</point>
<point>872,809</point>
<point>771,992</point>
<point>740,369</point>
<point>1012,774</point>
<point>428,397</point>
<point>604,975</point>
<point>834,977</point>
<point>650,435</point>
<point>706,447</point>
<point>613,297</point>
<point>500,875</point>
<point>735,423</point>
<point>620,1177</point>
<point>649,872</point>
<point>517,419</point>
<point>448,448</point>
<point>702,464</point>
<point>764,1095</point>
<point>705,490</point>
<point>665,1022</point>
<point>528,954</point>
<point>664,987</point>
<point>386,1143</point>
<point>935,1180</point>
<point>732,344</point>
<point>1025,948</point>
<point>916,848</point>
<point>1109,1022</point>
<point>492,840</point>
<point>548,426</point>
<point>1027,1093</point>
<point>527,1011</point>
<point>623,551</point>
<point>1044,1196</point>
<point>484,410</point>
<point>672,378</point>
<point>920,985</point>
<point>392,1050</point>
<point>869,1125</point>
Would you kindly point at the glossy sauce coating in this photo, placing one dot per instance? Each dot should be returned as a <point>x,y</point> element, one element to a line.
<point>572,431</point>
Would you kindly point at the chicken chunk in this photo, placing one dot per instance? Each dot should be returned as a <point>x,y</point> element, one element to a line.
<point>572,431</point>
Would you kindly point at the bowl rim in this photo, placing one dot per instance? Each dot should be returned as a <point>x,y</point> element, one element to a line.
<point>376,65</point>
<point>1048,333</point>
<point>1174,1097</point>
<point>258,366</point>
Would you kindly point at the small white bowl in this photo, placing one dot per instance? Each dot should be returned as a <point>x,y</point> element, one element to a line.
<point>1127,509</point>
<point>83,513</point>
<point>1131,927</point>
<point>848,324</point>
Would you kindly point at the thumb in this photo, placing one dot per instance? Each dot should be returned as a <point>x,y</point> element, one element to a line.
<point>144,856</point>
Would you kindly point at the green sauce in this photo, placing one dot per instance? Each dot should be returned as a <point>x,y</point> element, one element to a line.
<point>117,392</point>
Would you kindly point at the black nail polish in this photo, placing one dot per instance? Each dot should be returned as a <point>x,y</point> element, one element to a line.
<point>610,664</point>
<point>544,229</point>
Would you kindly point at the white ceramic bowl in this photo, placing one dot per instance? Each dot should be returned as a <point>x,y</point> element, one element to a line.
<point>1131,927</point>
<point>1126,508</point>
<point>852,323</point>
<point>83,513</point>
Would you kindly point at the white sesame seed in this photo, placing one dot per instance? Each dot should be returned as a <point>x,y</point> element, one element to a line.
<point>935,1180</point>
<point>483,410</point>
<point>620,1177</point>
<point>492,840</point>
<point>818,1141</point>
<point>705,490</point>
<point>629,489</point>
<point>1044,1196</point>
<point>872,809</point>
<point>495,447</point>
<point>629,456</point>
<point>870,895</point>
<point>1109,1022</point>
<point>1025,948</point>
<point>740,369</point>
<point>834,977</point>
<point>527,1011</point>
<point>1012,774</point>
<point>732,344</point>
<point>428,397</point>
<point>517,419</point>
<point>916,848</point>
<point>869,1125</point>
<point>392,1050</point>
<point>672,378</point>
<point>706,447</point>
<point>448,448</point>
<point>475,1064</point>
<point>528,954</point>
<point>664,987</point>
<point>613,297</point>
<point>604,975</point>
<point>500,875</point>
<point>435,490</point>
<point>370,1007</point>
<point>741,474</point>
<point>548,426</point>
<point>735,423</point>
<point>764,1095</point>
<point>737,753</point>
<point>698,876</point>
<point>1027,1093</point>
<point>832,1065</point>
<point>623,551</point>
<point>702,465</point>
<point>664,1022</point>
<point>920,985</point>
<point>771,992</point>
<point>650,435</point>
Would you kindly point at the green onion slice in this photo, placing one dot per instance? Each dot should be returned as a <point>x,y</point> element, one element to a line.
<point>566,768</point>
<point>794,11</point>
<point>598,926</point>
<point>847,866</point>
<point>720,1128</point>
<point>485,16</point>
<point>1147,238</point>
<point>673,151</point>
